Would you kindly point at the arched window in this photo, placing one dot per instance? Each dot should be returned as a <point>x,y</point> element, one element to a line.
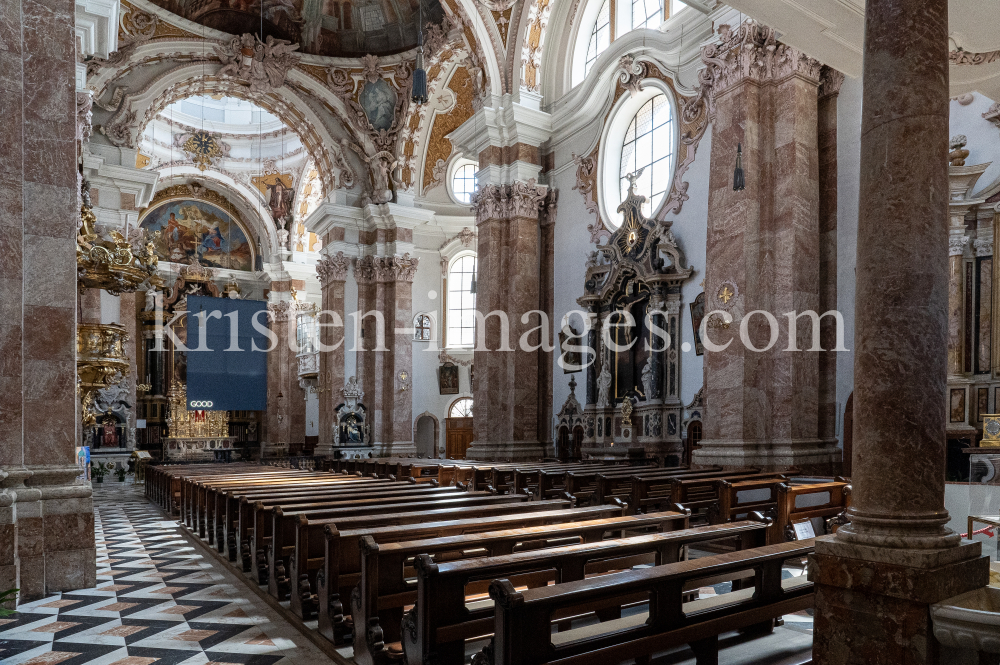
<point>649,145</point>
<point>600,37</point>
<point>461,408</point>
<point>421,327</point>
<point>461,313</point>
<point>463,182</point>
<point>647,14</point>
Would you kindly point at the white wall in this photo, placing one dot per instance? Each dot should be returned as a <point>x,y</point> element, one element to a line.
<point>848,189</point>
<point>983,136</point>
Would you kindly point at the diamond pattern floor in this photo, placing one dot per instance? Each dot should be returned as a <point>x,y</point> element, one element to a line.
<point>158,601</point>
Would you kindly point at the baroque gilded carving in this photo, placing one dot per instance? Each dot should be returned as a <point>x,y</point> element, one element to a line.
<point>263,65</point>
<point>333,268</point>
<point>534,43</point>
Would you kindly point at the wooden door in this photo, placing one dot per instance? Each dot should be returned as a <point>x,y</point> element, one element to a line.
<point>458,437</point>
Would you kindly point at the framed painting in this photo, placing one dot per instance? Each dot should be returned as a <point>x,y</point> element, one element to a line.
<point>448,379</point>
<point>956,406</point>
<point>190,229</point>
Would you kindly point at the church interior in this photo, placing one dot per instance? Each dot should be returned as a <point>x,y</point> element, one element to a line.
<point>587,331</point>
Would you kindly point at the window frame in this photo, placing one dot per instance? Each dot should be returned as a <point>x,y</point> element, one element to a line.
<point>612,142</point>
<point>446,304</point>
<point>453,168</point>
<point>451,407</point>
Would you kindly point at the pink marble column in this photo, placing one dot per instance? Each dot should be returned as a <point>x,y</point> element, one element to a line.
<point>763,253</point>
<point>332,271</point>
<point>876,578</point>
<point>46,521</point>
<point>509,396</point>
<point>284,422</point>
<point>385,284</point>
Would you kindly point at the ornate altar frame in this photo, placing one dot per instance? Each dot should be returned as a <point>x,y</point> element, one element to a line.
<point>640,266</point>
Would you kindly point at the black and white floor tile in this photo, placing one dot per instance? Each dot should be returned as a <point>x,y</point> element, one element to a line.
<point>158,601</point>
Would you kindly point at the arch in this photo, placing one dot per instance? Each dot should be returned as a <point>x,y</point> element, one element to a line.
<point>134,111</point>
<point>455,403</point>
<point>469,12</point>
<point>246,200</point>
<point>436,436</point>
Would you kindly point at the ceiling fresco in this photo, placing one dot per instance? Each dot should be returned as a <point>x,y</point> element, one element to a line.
<point>337,28</point>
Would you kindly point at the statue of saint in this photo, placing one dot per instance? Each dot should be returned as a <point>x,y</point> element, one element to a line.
<point>647,379</point>
<point>603,387</point>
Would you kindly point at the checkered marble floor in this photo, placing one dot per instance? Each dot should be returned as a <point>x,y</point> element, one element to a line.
<point>158,600</point>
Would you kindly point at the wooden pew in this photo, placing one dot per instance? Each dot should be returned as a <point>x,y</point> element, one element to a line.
<point>699,493</point>
<point>341,566</point>
<point>436,628</point>
<point>839,501</point>
<point>236,508</point>
<point>377,603</point>
<point>281,546</point>
<point>522,619</point>
<point>618,484</point>
<point>731,504</point>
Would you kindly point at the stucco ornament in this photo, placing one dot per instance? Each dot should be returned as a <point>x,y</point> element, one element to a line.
<point>263,65</point>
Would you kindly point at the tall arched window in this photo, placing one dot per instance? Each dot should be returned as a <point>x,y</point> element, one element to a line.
<point>649,145</point>
<point>461,312</point>
<point>600,38</point>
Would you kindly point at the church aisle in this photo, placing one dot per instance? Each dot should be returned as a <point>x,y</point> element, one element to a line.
<point>158,600</point>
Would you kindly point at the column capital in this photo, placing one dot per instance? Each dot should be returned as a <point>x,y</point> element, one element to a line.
<point>372,269</point>
<point>519,199</point>
<point>333,268</point>
<point>752,52</point>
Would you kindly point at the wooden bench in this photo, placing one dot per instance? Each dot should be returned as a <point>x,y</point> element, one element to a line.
<point>279,545</point>
<point>377,603</point>
<point>699,494</point>
<point>522,620</point>
<point>788,512</point>
<point>341,563</point>
<point>436,628</point>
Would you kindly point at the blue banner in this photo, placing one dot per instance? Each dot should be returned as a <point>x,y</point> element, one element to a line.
<point>228,371</point>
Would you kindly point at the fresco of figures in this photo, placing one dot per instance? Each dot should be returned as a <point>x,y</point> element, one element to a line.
<point>198,230</point>
<point>320,27</point>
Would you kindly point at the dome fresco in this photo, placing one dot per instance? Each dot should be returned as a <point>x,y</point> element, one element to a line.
<point>337,28</point>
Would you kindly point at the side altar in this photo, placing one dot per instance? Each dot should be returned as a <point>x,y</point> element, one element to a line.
<point>194,435</point>
<point>633,297</point>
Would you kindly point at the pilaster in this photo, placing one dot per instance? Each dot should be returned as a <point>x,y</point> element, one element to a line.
<point>763,253</point>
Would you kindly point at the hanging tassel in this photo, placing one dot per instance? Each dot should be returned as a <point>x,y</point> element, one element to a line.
<point>739,181</point>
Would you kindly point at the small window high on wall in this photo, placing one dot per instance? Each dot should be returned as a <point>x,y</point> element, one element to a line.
<point>463,182</point>
<point>461,306</point>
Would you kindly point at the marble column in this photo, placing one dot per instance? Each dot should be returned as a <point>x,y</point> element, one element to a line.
<point>46,518</point>
<point>385,360</point>
<point>876,578</point>
<point>508,396</point>
<point>284,422</point>
<point>332,271</point>
<point>763,254</point>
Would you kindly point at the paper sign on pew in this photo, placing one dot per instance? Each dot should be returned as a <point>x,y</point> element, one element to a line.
<point>804,529</point>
